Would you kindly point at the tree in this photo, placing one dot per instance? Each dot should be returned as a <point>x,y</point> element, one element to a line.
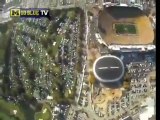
<point>49,50</point>
<point>127,77</point>
<point>44,42</point>
<point>57,96</point>
<point>2,56</point>
<point>51,27</point>
<point>54,13</point>
<point>51,37</point>
<point>71,14</point>
<point>91,78</point>
<point>59,38</point>
<point>80,51</point>
<point>57,69</point>
<point>3,28</point>
<point>126,85</point>
<point>79,67</point>
<point>63,13</point>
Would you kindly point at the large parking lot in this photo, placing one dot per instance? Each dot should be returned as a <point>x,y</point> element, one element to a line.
<point>45,55</point>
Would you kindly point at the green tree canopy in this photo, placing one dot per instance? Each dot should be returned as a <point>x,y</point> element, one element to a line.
<point>71,14</point>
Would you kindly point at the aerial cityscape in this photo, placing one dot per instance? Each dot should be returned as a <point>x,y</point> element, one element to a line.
<point>86,60</point>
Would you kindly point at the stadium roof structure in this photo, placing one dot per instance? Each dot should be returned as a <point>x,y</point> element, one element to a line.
<point>125,25</point>
<point>109,70</point>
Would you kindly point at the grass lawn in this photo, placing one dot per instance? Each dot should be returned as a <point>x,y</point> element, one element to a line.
<point>44,114</point>
<point>125,28</point>
<point>4,116</point>
<point>59,38</point>
<point>8,108</point>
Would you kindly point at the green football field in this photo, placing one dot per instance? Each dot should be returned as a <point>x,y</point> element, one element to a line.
<point>125,28</point>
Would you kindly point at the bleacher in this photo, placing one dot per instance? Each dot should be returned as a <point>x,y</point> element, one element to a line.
<point>128,57</point>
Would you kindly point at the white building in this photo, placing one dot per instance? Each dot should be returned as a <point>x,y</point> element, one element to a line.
<point>150,109</point>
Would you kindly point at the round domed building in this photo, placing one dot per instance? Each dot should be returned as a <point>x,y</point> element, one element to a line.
<point>109,71</point>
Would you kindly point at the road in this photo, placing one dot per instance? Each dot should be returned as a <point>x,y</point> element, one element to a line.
<point>88,109</point>
<point>82,80</point>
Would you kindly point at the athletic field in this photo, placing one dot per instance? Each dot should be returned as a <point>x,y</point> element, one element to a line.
<point>125,28</point>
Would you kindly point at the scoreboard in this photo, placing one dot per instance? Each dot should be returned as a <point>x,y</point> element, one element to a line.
<point>29,12</point>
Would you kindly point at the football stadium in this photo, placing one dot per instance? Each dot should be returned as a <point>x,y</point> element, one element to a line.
<point>125,26</point>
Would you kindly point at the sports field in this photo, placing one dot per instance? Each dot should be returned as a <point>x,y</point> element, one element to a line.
<point>125,28</point>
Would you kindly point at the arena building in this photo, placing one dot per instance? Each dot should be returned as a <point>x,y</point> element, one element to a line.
<point>109,70</point>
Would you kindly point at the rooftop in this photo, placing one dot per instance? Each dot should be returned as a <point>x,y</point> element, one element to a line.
<point>108,69</point>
